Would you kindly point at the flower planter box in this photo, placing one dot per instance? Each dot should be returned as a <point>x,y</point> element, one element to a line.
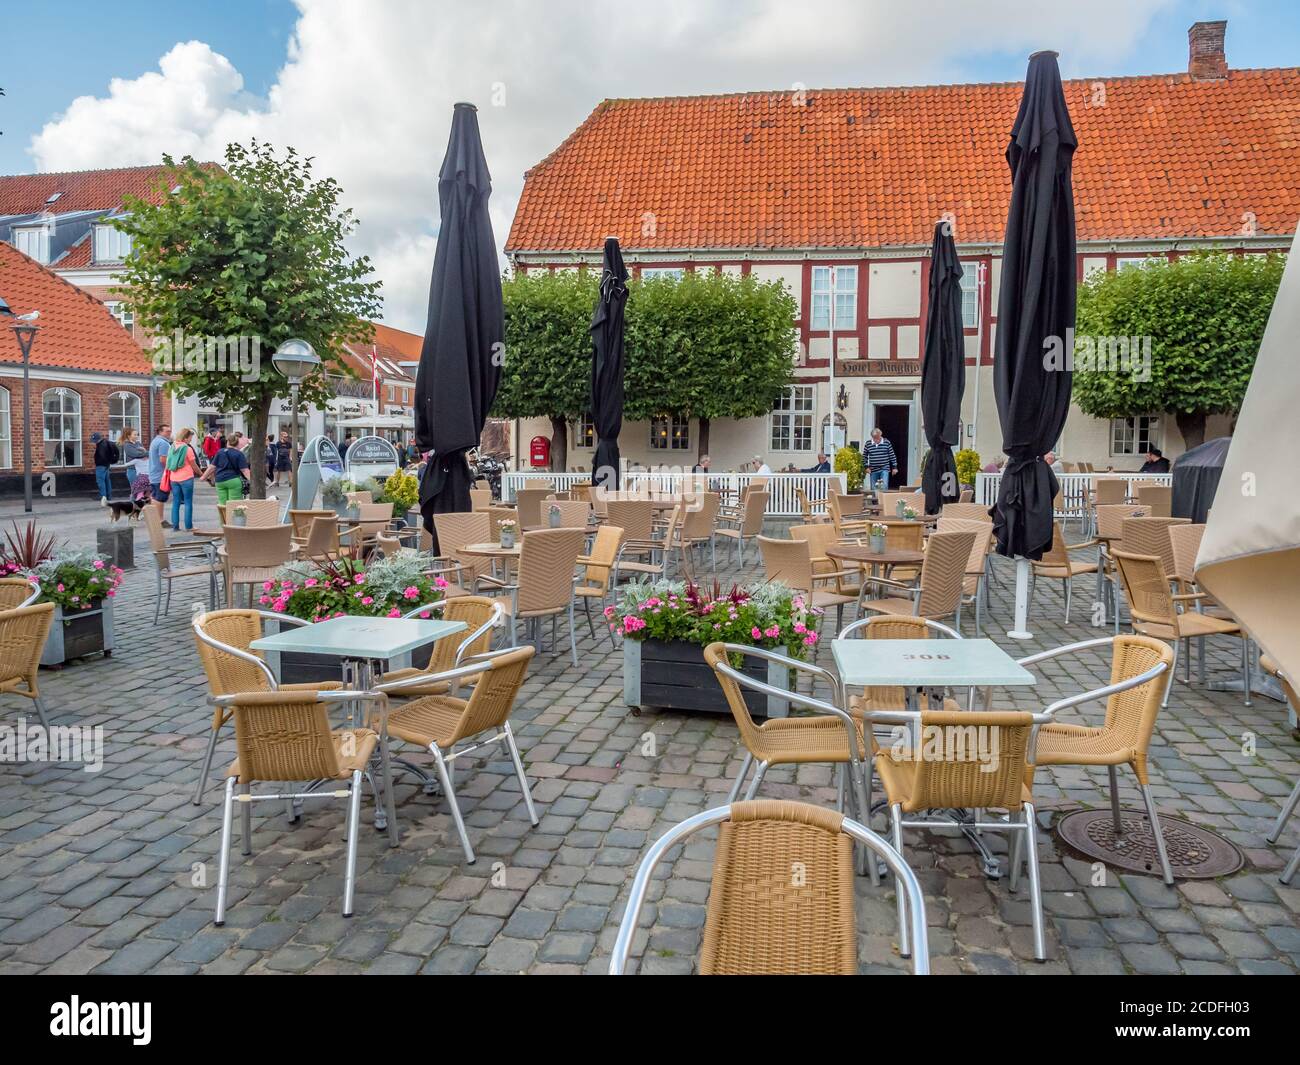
<point>294,667</point>
<point>80,633</point>
<point>674,676</point>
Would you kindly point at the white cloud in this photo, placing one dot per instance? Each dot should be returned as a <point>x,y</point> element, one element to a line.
<point>368,88</point>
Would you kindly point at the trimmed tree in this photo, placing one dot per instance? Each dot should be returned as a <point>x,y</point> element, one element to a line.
<point>252,252</point>
<point>1204,316</point>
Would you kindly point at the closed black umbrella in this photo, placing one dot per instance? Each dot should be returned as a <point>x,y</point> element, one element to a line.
<point>607,365</point>
<point>1036,303</point>
<point>943,373</point>
<point>460,362</point>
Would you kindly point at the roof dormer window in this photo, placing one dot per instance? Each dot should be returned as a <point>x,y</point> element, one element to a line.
<point>111,245</point>
<point>52,198</point>
<point>33,241</point>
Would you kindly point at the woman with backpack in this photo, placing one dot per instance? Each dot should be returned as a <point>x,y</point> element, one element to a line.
<point>106,454</point>
<point>178,477</point>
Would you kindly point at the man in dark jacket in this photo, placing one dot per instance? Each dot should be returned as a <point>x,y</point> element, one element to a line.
<point>106,454</point>
<point>1155,463</point>
<point>823,464</point>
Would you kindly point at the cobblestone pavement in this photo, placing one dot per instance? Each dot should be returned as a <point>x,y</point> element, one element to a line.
<point>98,872</point>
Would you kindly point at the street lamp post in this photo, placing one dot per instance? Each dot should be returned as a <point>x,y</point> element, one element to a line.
<point>294,359</point>
<point>24,328</point>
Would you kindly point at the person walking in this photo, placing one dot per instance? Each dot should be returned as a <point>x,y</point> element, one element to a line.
<point>158,449</point>
<point>283,457</point>
<point>106,455</point>
<point>182,468</point>
<point>228,470</point>
<point>270,460</point>
<point>211,445</point>
<point>881,461</point>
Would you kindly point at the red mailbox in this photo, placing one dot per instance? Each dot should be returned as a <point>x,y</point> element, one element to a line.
<point>539,451</point>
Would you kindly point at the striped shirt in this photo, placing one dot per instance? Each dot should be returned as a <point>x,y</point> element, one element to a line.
<point>881,456</point>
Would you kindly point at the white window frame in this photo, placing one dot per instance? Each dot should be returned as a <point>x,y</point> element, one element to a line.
<point>32,241</point>
<point>650,272</point>
<point>123,313</point>
<point>970,294</point>
<point>584,433</point>
<point>69,432</point>
<point>6,431</point>
<point>792,419</point>
<point>1134,435</point>
<point>110,245</point>
<point>125,419</point>
<point>670,433</point>
<point>1133,262</point>
<point>846,299</point>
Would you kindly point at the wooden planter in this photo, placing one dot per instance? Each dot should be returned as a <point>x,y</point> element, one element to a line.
<point>83,632</point>
<point>294,667</point>
<point>673,675</point>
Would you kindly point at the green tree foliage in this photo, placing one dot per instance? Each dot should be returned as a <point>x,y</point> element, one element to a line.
<point>254,250</point>
<point>1205,315</point>
<point>705,346</point>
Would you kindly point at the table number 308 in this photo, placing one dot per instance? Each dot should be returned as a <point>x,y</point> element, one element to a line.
<point>928,658</point>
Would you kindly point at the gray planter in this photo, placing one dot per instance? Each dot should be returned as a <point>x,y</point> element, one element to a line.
<point>81,633</point>
<point>674,676</point>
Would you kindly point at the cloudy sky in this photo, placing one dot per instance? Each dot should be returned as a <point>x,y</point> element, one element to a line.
<point>367,86</point>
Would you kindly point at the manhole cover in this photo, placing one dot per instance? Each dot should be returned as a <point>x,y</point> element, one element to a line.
<point>1194,853</point>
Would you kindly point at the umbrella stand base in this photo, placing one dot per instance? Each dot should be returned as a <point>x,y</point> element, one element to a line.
<point>1016,634</point>
<point>1021,631</point>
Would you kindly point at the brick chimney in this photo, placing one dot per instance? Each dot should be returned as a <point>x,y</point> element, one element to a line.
<point>1205,57</point>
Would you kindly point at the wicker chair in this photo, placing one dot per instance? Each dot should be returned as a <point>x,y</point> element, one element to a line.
<point>1185,543</point>
<point>322,542</point>
<point>632,549</point>
<point>301,520</point>
<point>528,504</point>
<point>598,573</point>
<point>1140,672</point>
<point>846,523</point>
<point>790,561</point>
<point>697,529</point>
<point>359,498</point>
<point>808,508</point>
<point>481,616</point>
<point>974,588</point>
<point>1108,526</point>
<point>1156,612</point>
<point>634,516</point>
<point>820,539</point>
<point>455,532</point>
<point>889,503</point>
<point>178,559</point>
<point>1159,497</point>
<point>1109,490</point>
<point>762,921</point>
<point>939,592</point>
<point>18,591</point>
<point>1288,808</point>
<point>23,632</point>
<point>223,639</point>
<point>544,582</point>
<point>994,779</point>
<point>744,524</point>
<point>966,511</point>
<point>1056,564</point>
<point>286,736</point>
<point>440,722</point>
<point>258,513</point>
<point>252,556</point>
<point>374,518</point>
<point>480,499</point>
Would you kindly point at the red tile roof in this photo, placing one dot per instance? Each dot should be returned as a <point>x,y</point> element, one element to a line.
<point>82,190</point>
<point>1159,156</point>
<point>76,330</point>
<point>391,346</point>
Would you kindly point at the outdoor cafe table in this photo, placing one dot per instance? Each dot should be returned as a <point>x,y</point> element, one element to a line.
<point>361,642</point>
<point>914,664</point>
<point>862,554</point>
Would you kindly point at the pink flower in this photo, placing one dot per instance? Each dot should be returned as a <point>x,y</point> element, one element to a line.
<point>424,613</point>
<point>810,639</point>
<point>110,594</point>
<point>340,614</point>
<point>76,599</point>
<point>395,613</point>
<point>756,632</point>
<point>360,578</point>
<point>310,582</point>
<point>267,585</point>
<point>800,627</point>
<point>263,599</point>
<point>60,587</point>
<point>367,600</point>
<point>98,564</point>
<point>609,611</point>
<point>411,592</point>
<point>440,582</point>
<point>773,631</point>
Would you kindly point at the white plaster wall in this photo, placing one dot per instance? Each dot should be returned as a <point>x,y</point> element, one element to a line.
<point>895,290</point>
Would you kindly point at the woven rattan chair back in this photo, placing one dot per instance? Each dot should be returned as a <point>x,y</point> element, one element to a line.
<point>967,495</point>
<point>943,572</point>
<point>889,503</point>
<point>388,545</point>
<point>760,919</point>
<point>1131,715</point>
<point>982,531</point>
<point>805,506</point>
<point>14,591</point>
<point>968,758</point>
<point>322,537</point>
<point>787,561</point>
<point>1150,536</point>
<point>634,516</point>
<point>817,537</point>
<point>528,501</point>
<point>157,537</point>
<point>1111,517</point>
<point>904,536</point>
<point>228,675</point>
<point>547,559</point>
<point>1110,490</point>
<point>574,513</point>
<point>457,530</point>
<point>480,499</point>
<point>966,511</point>
<point>604,550</point>
<point>259,513</point>
<point>751,736</point>
<point>1185,541</point>
<point>496,515</point>
<point>474,611</point>
<point>258,547</point>
<point>284,735</point>
<point>301,521</point>
<point>756,484</point>
<point>1056,555</point>
<point>700,516</point>
<point>755,508</point>
<point>494,693</point>
<point>1146,586</point>
<point>23,632</point>
<point>1159,497</point>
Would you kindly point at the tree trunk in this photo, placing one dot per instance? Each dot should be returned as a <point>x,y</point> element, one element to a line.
<point>704,439</point>
<point>1192,426</point>
<point>559,444</point>
<point>256,420</point>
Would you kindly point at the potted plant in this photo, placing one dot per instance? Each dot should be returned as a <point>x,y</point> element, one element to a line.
<point>553,516</point>
<point>334,494</point>
<point>848,461</point>
<point>908,512</point>
<point>666,624</point>
<point>876,536</point>
<point>317,591</point>
<point>968,467</point>
<point>81,584</point>
<point>402,490</point>
<point>239,515</point>
<point>507,528</point>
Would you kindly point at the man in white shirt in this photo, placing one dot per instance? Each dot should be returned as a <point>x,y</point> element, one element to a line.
<point>760,466</point>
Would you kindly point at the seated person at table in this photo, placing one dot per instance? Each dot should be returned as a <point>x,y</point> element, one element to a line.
<point>1155,463</point>
<point>823,464</point>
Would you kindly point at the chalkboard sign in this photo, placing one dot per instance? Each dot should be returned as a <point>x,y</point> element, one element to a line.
<point>320,463</point>
<point>371,456</point>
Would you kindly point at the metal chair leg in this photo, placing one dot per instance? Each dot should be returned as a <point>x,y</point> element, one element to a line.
<point>444,778</point>
<point>1013,870</point>
<point>41,716</point>
<point>1290,870</point>
<point>519,772</point>
<point>1114,800</point>
<point>573,642</point>
<point>904,937</point>
<point>246,822</point>
<point>157,595</point>
<point>223,873</point>
<point>1288,808</point>
<point>1158,835</point>
<point>201,786</point>
<point>354,831</point>
<point>1173,669</point>
<point>752,790</point>
<point>1035,884</point>
<point>1245,666</point>
<point>740,778</point>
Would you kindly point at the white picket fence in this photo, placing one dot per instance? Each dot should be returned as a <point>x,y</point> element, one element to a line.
<point>782,500</point>
<point>1074,486</point>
